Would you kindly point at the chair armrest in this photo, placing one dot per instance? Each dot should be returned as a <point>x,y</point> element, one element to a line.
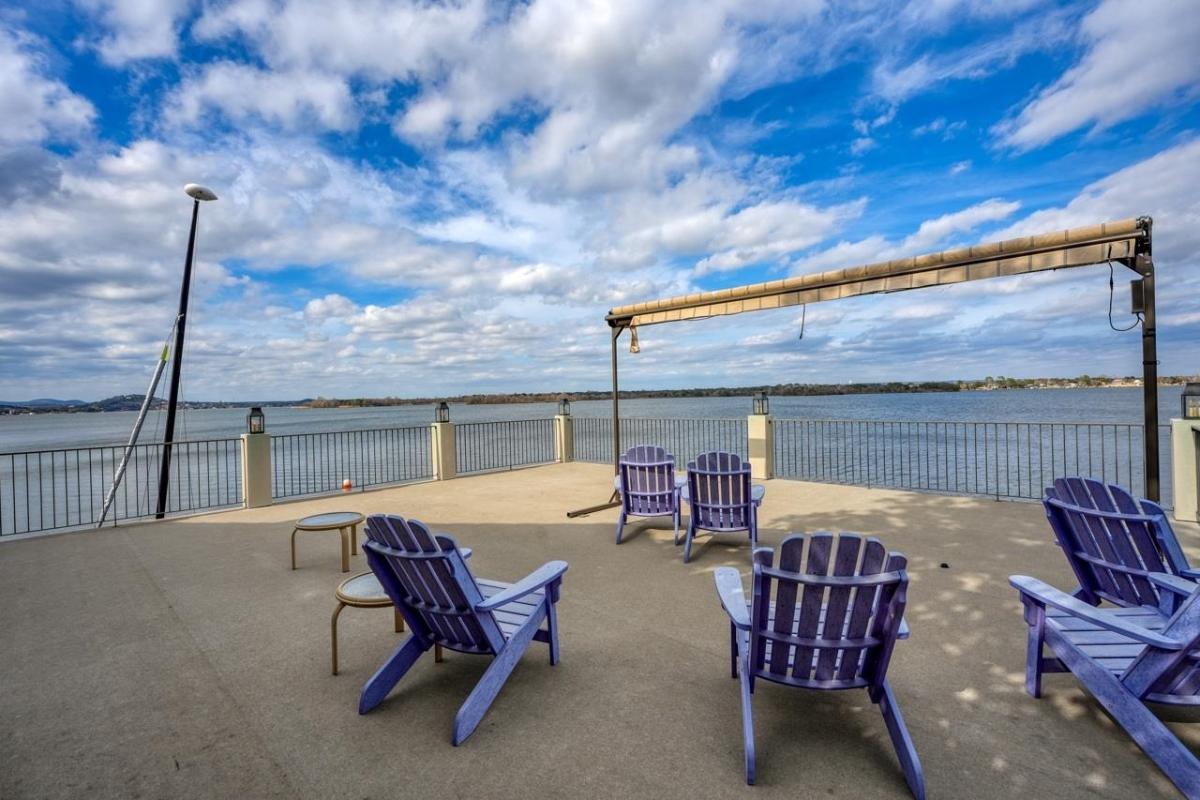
<point>733,598</point>
<point>757,492</point>
<point>1046,595</point>
<point>538,579</point>
<point>1174,583</point>
<point>1192,574</point>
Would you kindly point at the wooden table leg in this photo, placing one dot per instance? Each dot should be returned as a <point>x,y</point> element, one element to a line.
<point>354,539</point>
<point>333,634</point>
<point>399,620</point>
<point>345,536</point>
<point>294,547</point>
<point>437,653</point>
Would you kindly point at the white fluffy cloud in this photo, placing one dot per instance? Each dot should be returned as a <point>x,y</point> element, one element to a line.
<point>1140,54</point>
<point>932,233</point>
<point>290,99</point>
<point>34,106</point>
<point>131,30</point>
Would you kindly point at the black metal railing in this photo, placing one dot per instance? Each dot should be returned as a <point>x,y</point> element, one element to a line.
<point>683,438</point>
<point>46,490</point>
<point>1001,459</point>
<point>319,463</point>
<point>486,446</point>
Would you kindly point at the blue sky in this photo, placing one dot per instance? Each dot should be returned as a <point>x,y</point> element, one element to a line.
<point>441,198</point>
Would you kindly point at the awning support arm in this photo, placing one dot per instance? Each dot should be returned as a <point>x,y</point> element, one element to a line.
<point>615,499</point>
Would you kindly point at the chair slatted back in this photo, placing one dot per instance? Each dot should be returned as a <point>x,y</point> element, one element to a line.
<point>828,618</point>
<point>430,584</point>
<point>1111,540</point>
<point>719,490</point>
<point>648,481</point>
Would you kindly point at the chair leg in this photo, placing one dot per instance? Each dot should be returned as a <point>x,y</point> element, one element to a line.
<point>905,751</point>
<point>294,547</point>
<point>620,524</point>
<point>552,631</point>
<point>477,703</point>
<point>675,519</point>
<point>687,541</point>
<point>747,718</point>
<point>1033,653</point>
<point>333,634</point>
<point>388,675</point>
<point>733,650</point>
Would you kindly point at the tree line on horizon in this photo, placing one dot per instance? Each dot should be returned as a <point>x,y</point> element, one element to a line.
<point>774,390</point>
<point>130,402</point>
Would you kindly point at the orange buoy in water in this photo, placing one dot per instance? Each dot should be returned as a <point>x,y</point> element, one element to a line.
<point>347,485</point>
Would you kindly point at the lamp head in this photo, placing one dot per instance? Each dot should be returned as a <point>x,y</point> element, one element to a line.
<point>198,192</point>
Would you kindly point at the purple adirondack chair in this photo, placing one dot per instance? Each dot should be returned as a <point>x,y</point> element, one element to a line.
<point>721,498</point>
<point>1124,552</point>
<point>1113,542</point>
<point>1126,657</point>
<point>646,481</point>
<point>428,580</point>
<point>831,624</point>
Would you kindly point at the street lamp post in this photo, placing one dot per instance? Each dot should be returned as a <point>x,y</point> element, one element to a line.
<point>197,193</point>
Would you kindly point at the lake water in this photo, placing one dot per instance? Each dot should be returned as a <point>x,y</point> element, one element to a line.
<point>49,431</point>
<point>1001,443</point>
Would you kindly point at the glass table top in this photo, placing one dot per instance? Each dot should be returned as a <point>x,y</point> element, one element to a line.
<point>332,519</point>
<point>363,587</point>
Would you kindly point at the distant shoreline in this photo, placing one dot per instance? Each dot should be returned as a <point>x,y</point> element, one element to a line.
<point>134,402</point>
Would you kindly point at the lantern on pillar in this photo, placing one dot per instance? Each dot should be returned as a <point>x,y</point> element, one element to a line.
<point>564,407</point>
<point>1189,401</point>
<point>256,421</point>
<point>762,405</point>
<point>442,414</point>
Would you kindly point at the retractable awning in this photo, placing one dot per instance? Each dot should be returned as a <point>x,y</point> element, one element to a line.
<point>1077,247</point>
<point>1127,242</point>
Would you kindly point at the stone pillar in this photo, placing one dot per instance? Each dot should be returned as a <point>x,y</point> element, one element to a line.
<point>564,438</point>
<point>1185,464</point>
<point>761,431</point>
<point>441,447</point>
<point>256,470</point>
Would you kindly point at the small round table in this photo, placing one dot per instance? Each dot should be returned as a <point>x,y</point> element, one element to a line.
<point>361,591</point>
<point>344,522</point>
<point>364,591</point>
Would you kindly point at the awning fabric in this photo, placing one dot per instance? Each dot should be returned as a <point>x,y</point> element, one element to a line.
<point>1077,247</point>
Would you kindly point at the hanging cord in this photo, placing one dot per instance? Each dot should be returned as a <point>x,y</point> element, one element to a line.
<point>1111,292</point>
<point>803,317</point>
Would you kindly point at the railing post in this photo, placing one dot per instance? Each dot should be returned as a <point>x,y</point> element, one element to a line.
<point>256,470</point>
<point>1185,468</point>
<point>564,438</point>
<point>441,446</point>
<point>760,429</point>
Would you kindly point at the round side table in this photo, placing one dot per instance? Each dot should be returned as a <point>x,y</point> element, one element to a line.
<point>361,591</point>
<point>344,522</point>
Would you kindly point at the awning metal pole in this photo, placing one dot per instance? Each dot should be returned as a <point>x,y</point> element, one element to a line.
<point>1145,267</point>
<point>614,500</point>
<point>616,405</point>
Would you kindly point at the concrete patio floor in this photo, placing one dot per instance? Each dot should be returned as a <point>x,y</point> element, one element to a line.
<point>186,659</point>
